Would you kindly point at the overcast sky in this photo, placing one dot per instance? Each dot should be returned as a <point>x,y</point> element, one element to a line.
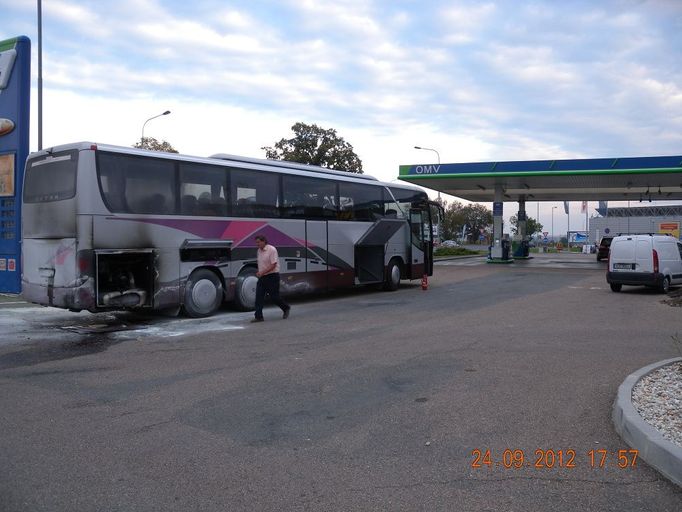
<point>475,80</point>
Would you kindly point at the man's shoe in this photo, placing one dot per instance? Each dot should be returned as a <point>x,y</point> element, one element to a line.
<point>255,320</point>
<point>285,315</point>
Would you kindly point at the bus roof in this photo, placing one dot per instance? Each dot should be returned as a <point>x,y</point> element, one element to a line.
<point>225,157</point>
<point>288,165</point>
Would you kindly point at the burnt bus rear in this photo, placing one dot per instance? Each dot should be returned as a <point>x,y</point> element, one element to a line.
<point>60,267</point>
<point>54,273</point>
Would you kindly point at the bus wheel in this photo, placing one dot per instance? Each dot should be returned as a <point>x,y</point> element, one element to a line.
<point>392,279</point>
<point>203,293</point>
<point>245,290</point>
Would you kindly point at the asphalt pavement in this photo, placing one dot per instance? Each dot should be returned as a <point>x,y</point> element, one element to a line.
<point>492,390</point>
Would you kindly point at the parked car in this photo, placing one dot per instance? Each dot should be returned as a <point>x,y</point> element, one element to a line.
<point>604,248</point>
<point>645,260</point>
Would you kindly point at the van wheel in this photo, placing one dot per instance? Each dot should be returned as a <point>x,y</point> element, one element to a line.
<point>245,290</point>
<point>665,287</point>
<point>616,287</point>
<point>203,293</point>
<point>392,279</point>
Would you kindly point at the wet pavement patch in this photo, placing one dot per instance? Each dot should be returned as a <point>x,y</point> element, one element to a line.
<point>54,352</point>
<point>301,411</point>
<point>100,328</point>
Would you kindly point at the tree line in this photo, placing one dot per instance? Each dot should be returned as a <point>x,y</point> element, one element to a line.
<point>467,222</point>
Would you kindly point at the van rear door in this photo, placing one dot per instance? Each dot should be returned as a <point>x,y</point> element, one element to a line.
<point>622,255</point>
<point>644,254</point>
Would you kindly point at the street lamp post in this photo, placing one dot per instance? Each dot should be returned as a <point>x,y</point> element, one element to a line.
<point>153,117</point>
<point>40,75</point>
<point>438,155</point>
<point>553,208</point>
<point>568,228</point>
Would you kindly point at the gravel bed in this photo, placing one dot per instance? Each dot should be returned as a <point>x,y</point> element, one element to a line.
<point>657,397</point>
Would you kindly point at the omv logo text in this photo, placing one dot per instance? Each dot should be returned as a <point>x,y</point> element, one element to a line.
<point>427,169</point>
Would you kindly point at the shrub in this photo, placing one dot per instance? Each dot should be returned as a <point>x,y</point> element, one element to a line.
<point>453,251</point>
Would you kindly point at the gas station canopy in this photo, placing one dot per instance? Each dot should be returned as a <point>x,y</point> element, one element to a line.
<point>597,179</point>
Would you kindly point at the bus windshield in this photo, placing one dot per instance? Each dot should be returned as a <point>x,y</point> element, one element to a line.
<point>51,177</point>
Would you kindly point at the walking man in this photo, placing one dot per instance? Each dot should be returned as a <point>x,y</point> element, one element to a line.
<point>268,278</point>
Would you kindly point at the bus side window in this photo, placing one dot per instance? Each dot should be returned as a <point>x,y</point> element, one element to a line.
<point>255,193</point>
<point>345,208</point>
<point>329,207</point>
<point>244,206</point>
<point>157,204</point>
<point>366,201</point>
<point>204,206</point>
<point>203,189</point>
<point>189,204</point>
<point>153,204</point>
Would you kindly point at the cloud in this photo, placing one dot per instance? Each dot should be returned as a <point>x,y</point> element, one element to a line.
<point>462,23</point>
<point>478,81</point>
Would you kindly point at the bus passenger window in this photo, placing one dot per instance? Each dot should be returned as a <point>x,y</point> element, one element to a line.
<point>255,194</point>
<point>155,204</point>
<point>366,201</point>
<point>203,189</point>
<point>188,205</point>
<point>204,206</point>
<point>131,183</point>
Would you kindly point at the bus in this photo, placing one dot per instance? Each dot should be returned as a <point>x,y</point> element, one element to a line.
<point>108,227</point>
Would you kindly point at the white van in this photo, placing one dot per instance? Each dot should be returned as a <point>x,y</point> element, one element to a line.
<point>645,260</point>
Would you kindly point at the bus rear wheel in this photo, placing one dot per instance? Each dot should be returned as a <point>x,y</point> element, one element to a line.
<point>245,290</point>
<point>392,279</point>
<point>203,293</point>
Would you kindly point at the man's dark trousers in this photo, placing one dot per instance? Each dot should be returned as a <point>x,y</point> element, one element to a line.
<point>268,284</point>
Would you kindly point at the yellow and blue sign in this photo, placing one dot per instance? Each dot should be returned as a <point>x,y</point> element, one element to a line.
<point>15,93</point>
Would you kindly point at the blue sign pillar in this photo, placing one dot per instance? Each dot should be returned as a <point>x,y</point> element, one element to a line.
<point>15,94</point>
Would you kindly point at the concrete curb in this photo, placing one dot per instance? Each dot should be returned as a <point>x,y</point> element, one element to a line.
<point>11,297</point>
<point>657,451</point>
<point>463,257</point>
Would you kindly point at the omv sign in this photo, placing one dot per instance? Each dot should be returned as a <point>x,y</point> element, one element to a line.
<point>426,169</point>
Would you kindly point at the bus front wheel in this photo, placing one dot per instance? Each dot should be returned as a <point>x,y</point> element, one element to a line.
<point>203,293</point>
<point>245,290</point>
<point>392,279</point>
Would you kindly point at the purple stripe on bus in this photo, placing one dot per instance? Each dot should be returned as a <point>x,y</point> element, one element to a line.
<point>241,232</point>
<point>274,236</point>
